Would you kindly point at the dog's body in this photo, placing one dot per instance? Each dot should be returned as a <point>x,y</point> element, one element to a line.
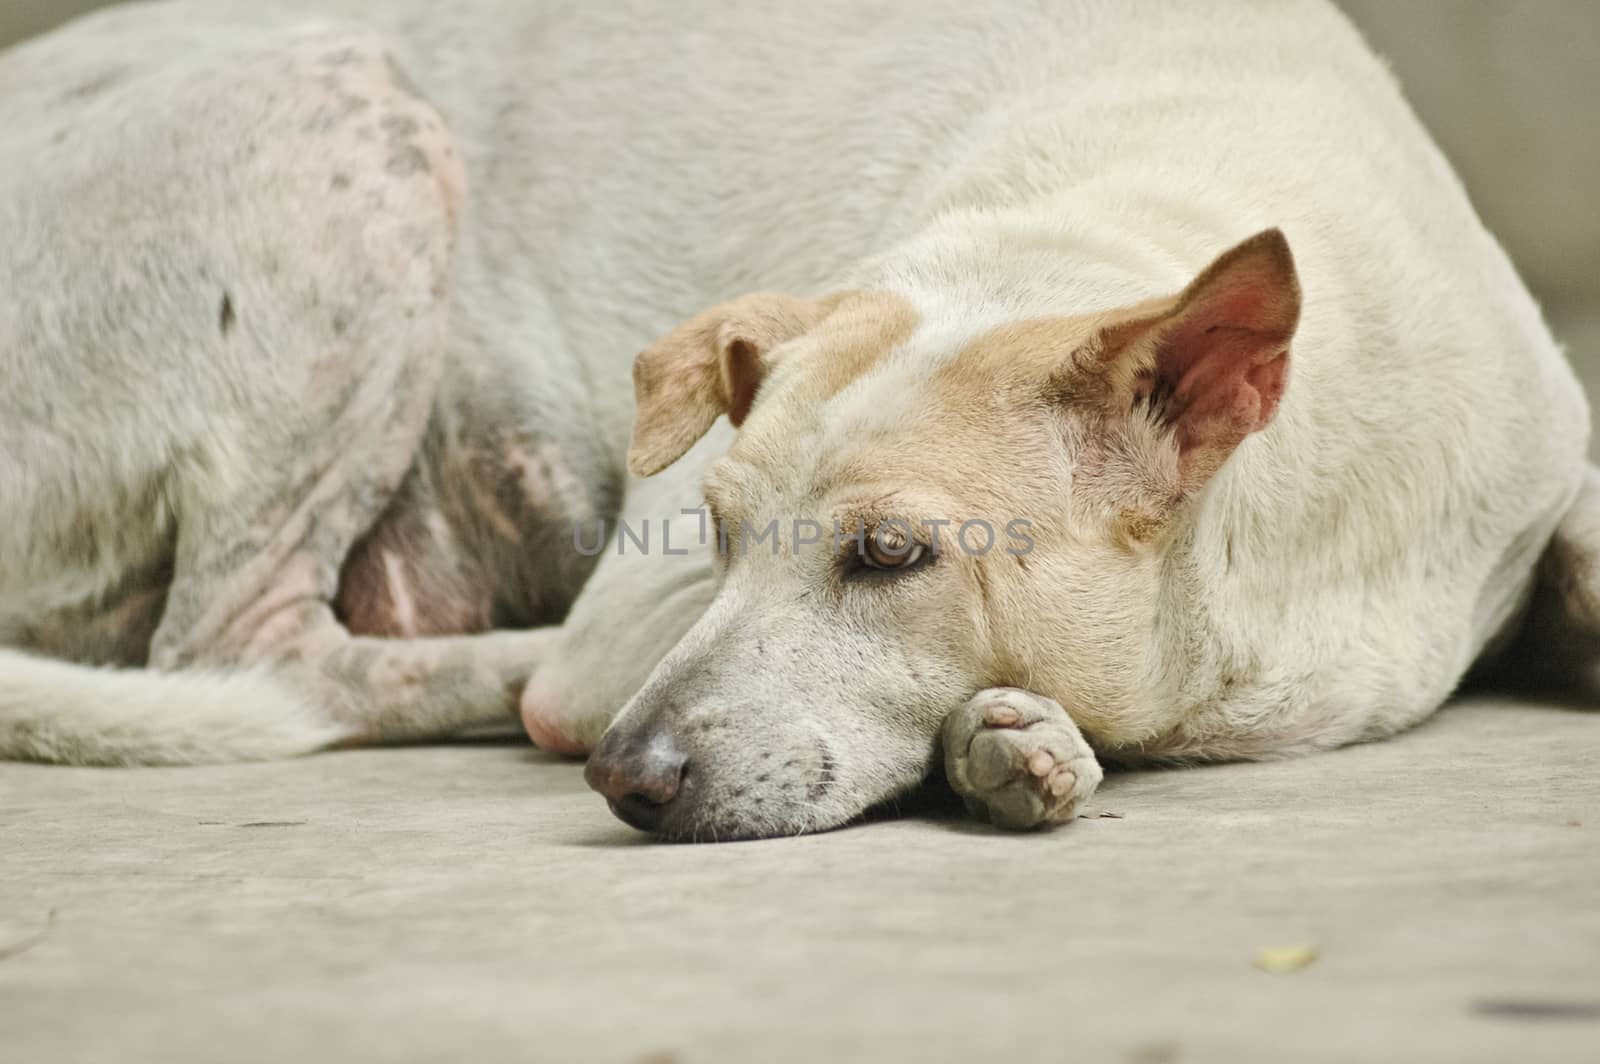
<point>318,331</point>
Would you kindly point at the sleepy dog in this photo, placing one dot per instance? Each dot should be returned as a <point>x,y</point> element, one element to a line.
<point>316,333</point>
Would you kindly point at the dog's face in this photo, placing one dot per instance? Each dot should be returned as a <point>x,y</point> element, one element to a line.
<point>904,520</point>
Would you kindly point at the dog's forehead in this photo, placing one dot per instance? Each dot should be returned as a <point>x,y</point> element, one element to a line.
<point>867,367</point>
<point>790,416</point>
<point>958,375</point>
<point>941,408</point>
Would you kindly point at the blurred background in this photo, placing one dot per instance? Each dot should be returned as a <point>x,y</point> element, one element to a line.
<point>1510,88</point>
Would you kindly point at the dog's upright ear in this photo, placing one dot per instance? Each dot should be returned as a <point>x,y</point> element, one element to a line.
<point>712,364</point>
<point>1211,363</point>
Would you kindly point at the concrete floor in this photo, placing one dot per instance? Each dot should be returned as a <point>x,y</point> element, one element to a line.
<point>475,902</point>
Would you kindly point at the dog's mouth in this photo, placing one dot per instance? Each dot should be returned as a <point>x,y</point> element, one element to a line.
<point>691,817</point>
<point>702,811</point>
<point>640,813</point>
<point>684,820</point>
<point>731,829</point>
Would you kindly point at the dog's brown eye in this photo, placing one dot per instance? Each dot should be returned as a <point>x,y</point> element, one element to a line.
<point>891,548</point>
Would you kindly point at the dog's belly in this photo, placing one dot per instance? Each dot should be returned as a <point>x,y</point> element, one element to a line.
<point>425,569</point>
<point>411,576</point>
<point>479,536</point>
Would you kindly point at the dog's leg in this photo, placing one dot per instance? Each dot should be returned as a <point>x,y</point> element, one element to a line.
<point>634,609</point>
<point>339,342</point>
<point>248,345</point>
<point>278,613</point>
<point>1018,760</point>
<point>1558,648</point>
<point>1571,565</point>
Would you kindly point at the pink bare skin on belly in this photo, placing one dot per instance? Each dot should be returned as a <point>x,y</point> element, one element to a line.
<point>464,547</point>
<point>431,567</point>
<point>411,577</point>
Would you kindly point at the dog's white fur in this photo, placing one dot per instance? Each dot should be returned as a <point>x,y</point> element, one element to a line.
<point>984,165</point>
<point>56,711</point>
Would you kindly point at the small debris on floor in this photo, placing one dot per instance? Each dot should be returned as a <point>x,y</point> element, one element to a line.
<point>1280,960</point>
<point>1154,1053</point>
<point>1535,1009</point>
<point>23,945</point>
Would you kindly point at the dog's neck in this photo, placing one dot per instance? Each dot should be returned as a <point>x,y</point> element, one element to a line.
<point>1055,256</point>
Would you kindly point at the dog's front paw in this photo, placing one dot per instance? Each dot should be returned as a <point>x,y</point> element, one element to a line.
<point>1018,759</point>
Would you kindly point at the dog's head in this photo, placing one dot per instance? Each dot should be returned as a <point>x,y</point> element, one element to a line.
<point>903,520</point>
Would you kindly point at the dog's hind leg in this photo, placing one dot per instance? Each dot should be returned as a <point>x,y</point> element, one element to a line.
<point>1571,564</point>
<point>256,325</point>
<point>1558,648</point>
<point>342,339</point>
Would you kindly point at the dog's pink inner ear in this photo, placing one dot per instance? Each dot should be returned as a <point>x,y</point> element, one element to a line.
<point>1219,358</point>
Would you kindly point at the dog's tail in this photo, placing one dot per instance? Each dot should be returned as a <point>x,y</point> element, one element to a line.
<point>79,715</point>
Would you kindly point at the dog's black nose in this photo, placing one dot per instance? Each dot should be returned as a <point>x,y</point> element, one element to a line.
<point>640,775</point>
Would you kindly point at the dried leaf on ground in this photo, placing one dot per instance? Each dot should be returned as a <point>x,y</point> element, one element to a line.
<point>1283,959</point>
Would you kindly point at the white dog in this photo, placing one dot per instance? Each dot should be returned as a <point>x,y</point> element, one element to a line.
<point>1147,386</point>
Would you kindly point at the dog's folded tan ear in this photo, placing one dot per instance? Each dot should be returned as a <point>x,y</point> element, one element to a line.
<point>712,364</point>
<point>1214,360</point>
